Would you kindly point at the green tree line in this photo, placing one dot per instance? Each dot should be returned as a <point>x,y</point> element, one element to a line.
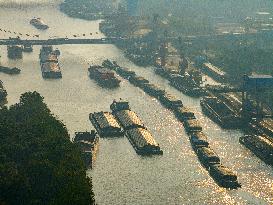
<point>38,162</point>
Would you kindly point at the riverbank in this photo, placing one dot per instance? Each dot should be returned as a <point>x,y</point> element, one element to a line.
<point>88,10</point>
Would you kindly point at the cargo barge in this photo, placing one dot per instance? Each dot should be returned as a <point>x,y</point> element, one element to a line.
<point>221,113</point>
<point>214,72</point>
<point>260,145</point>
<point>184,113</point>
<point>103,76</point>
<point>198,139</point>
<point>10,71</point>
<point>105,124</point>
<point>153,90</point>
<point>15,51</point>
<point>170,101</point>
<point>138,135</point>
<point>187,85</point>
<point>49,62</point>
<point>138,81</point>
<point>38,23</point>
<point>192,125</point>
<point>88,143</point>
<point>143,141</point>
<point>224,176</point>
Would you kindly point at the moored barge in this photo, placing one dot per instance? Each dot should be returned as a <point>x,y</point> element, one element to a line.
<point>170,101</point>
<point>143,141</point>
<point>186,85</point>
<point>103,76</point>
<point>88,143</point>
<point>199,139</point>
<point>138,135</point>
<point>10,71</point>
<point>138,81</point>
<point>184,113</point>
<point>15,51</point>
<point>219,112</point>
<point>260,145</point>
<point>224,176</point>
<point>105,124</point>
<point>49,62</point>
<point>207,156</point>
<point>192,125</point>
<point>153,90</point>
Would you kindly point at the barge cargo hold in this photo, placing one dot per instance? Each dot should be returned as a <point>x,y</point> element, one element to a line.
<point>105,124</point>
<point>153,90</point>
<point>51,70</point>
<point>143,142</point>
<point>214,72</point>
<point>207,156</point>
<point>199,139</point>
<point>138,81</point>
<point>49,62</point>
<point>219,112</point>
<point>192,125</point>
<point>224,176</point>
<point>184,113</point>
<point>103,76</point>
<point>261,146</point>
<point>128,119</point>
<point>88,143</point>
<point>186,85</point>
<point>170,101</point>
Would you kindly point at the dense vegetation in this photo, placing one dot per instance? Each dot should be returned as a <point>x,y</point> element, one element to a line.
<point>38,163</point>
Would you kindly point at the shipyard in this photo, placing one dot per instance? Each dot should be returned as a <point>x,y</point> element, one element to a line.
<point>139,102</point>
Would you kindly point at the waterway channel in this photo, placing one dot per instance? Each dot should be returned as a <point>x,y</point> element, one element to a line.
<point>121,176</point>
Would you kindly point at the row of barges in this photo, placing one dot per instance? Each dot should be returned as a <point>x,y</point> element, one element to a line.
<point>123,121</point>
<point>209,159</point>
<point>136,132</point>
<point>49,62</point>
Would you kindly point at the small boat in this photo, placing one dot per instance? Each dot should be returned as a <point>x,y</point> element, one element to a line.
<point>38,23</point>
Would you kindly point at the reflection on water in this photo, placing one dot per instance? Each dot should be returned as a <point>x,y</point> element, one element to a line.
<point>121,176</point>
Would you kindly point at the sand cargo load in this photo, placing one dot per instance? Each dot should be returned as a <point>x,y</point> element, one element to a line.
<point>105,124</point>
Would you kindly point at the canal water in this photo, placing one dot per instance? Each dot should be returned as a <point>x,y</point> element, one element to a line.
<point>121,176</point>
